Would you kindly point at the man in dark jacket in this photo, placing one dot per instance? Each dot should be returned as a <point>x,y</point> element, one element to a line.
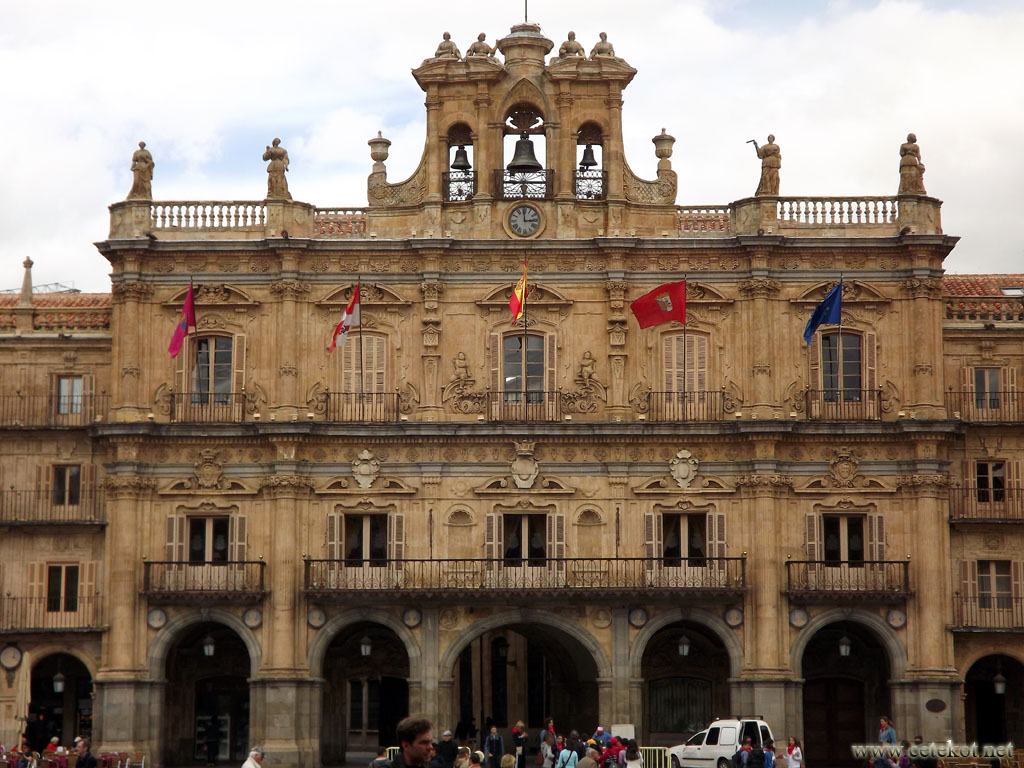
<point>85,759</point>
<point>447,749</point>
<point>415,742</point>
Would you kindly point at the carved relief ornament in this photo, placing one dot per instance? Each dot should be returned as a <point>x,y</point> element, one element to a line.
<point>683,468</point>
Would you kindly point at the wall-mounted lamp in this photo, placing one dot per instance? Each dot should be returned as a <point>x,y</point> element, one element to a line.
<point>58,683</point>
<point>209,646</point>
<point>365,646</point>
<point>845,646</point>
<point>684,645</point>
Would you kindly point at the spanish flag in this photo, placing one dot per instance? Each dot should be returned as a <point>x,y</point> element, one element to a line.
<point>518,301</point>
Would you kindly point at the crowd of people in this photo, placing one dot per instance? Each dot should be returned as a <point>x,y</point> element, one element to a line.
<point>28,758</point>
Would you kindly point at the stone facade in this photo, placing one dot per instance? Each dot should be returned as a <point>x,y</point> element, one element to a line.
<point>308,548</point>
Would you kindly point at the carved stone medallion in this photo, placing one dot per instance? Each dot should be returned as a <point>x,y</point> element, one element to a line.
<point>365,468</point>
<point>683,468</point>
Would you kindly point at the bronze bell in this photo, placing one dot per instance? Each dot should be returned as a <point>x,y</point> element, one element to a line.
<point>524,161</point>
<point>461,161</point>
<point>588,160</point>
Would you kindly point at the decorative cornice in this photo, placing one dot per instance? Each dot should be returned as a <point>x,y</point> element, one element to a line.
<point>940,482</point>
<point>127,487</point>
<point>286,485</point>
<point>289,289</point>
<point>765,483</point>
<point>927,287</point>
<point>759,287</point>
<point>126,291</point>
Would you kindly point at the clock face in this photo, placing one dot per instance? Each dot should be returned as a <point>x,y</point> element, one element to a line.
<point>10,657</point>
<point>524,220</point>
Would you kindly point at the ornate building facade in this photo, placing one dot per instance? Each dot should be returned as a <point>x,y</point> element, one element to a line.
<point>458,515</point>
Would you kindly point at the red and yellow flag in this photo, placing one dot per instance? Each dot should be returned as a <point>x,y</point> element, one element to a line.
<point>518,301</point>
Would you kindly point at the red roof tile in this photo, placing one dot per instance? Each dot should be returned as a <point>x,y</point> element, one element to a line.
<point>980,285</point>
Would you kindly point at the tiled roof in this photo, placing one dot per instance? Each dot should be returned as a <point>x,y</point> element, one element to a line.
<point>980,285</point>
<point>59,300</point>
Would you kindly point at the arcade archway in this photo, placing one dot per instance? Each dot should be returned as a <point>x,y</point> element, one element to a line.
<point>846,673</point>
<point>207,705</point>
<point>994,702</point>
<point>61,701</point>
<point>366,690</point>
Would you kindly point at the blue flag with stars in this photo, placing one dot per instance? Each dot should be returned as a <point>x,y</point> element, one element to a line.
<point>828,312</point>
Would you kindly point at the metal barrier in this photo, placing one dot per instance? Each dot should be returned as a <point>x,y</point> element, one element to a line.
<point>656,757</point>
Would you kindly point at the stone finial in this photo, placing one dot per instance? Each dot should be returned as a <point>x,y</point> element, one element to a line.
<point>26,284</point>
<point>663,149</point>
<point>602,48</point>
<point>379,149</point>
<point>911,168</point>
<point>142,174</point>
<point>771,161</point>
<point>277,184</point>
<point>446,49</point>
<point>480,48</point>
<point>571,48</point>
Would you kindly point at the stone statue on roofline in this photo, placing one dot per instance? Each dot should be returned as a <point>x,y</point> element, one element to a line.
<point>277,184</point>
<point>602,48</point>
<point>571,48</point>
<point>142,174</point>
<point>911,168</point>
<point>447,49</point>
<point>771,161</point>
<point>480,48</point>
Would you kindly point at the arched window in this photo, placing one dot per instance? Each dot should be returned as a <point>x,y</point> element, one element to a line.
<point>459,182</point>
<point>591,178</point>
<point>524,173</point>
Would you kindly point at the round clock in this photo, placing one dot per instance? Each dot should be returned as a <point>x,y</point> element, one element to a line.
<point>524,220</point>
<point>10,657</point>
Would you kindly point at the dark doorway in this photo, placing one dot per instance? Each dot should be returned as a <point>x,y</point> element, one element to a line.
<point>833,718</point>
<point>993,717</point>
<point>65,713</point>
<point>222,719</point>
<point>394,705</point>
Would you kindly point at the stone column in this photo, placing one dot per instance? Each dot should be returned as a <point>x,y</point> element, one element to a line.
<point>761,400</point>
<point>617,407</point>
<point>431,703</point>
<point>562,146</point>
<point>126,402</point>
<point>614,156</point>
<point>289,293</point>
<point>924,395</point>
<point>285,719</point>
<point>431,358</point>
<point>434,164</point>
<point>621,709</point>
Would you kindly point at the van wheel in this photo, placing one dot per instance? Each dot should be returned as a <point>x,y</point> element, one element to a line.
<point>675,762</point>
<point>723,763</point>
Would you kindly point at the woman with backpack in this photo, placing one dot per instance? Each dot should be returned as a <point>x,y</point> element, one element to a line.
<point>568,757</point>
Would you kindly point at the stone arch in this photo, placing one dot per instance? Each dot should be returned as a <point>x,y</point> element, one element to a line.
<point>526,616</point>
<point>1014,652</point>
<point>591,127</point>
<point>713,622</point>
<point>156,660</point>
<point>460,515</point>
<point>330,630</point>
<point>44,652</point>
<point>588,514</point>
<point>886,635</point>
<point>524,91</point>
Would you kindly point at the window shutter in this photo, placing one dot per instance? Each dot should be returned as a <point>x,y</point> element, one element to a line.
<point>556,540</point>
<point>1014,495</point>
<point>716,535</point>
<point>175,538</point>
<point>814,380</point>
<point>238,362</point>
<point>237,539</point>
<point>1009,380</point>
<point>332,543</point>
<point>379,366</point>
<point>652,539</point>
<point>876,537</point>
<point>1017,589</point>
<point>89,406</point>
<point>492,539</point>
<point>701,360</point>
<point>37,580</point>
<point>185,358</point>
<point>967,605</point>
<point>44,484</point>
<point>870,342</point>
<point>495,363</point>
<point>812,535</point>
<point>396,539</point>
<point>549,341</point>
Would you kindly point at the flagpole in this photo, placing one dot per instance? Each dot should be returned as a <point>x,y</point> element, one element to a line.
<point>842,395</point>
<point>526,290</point>
<point>684,355</point>
<point>193,350</point>
<point>362,396</point>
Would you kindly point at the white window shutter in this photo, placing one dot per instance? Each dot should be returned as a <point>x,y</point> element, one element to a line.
<point>396,539</point>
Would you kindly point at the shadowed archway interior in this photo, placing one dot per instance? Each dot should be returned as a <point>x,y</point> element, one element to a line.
<point>991,716</point>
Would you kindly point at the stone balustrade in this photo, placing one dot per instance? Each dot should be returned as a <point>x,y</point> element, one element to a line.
<point>339,222</point>
<point>207,215</point>
<point>838,211</point>
<point>705,220</point>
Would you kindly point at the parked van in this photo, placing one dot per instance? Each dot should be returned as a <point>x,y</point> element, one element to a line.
<point>715,745</point>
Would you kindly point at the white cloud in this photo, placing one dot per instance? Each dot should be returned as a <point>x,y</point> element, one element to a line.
<point>207,85</point>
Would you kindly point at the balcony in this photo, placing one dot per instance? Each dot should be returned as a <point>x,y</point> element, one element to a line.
<point>457,186</point>
<point>71,613</point>
<point>844,405</point>
<point>978,407</point>
<point>370,407</point>
<point>23,508</point>
<point>835,580</point>
<point>591,185</point>
<point>971,504</point>
<point>535,185</point>
<point>207,407</point>
<point>52,410</point>
<point>523,579</point>
<point>192,583</point>
<point>685,406</point>
<point>1002,613</point>
<point>525,406</point>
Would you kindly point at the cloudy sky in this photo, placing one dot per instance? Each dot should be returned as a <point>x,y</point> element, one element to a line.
<point>208,84</point>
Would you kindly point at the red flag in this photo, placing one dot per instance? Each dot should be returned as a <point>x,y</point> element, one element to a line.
<point>188,320</point>
<point>518,301</point>
<point>348,321</point>
<point>663,304</point>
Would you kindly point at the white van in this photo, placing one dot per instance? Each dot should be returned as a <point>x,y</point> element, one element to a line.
<point>715,745</point>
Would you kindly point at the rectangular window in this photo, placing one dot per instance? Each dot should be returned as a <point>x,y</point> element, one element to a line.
<point>684,536</point>
<point>843,540</point>
<point>208,539</point>
<point>211,377</point>
<point>515,368</point>
<point>991,481</point>
<point>525,538</point>
<point>994,585</point>
<point>61,588</point>
<point>69,394</point>
<point>986,388</point>
<point>845,386</point>
<point>366,540</point>
<point>685,359</point>
<point>67,485</point>
<point>374,364</point>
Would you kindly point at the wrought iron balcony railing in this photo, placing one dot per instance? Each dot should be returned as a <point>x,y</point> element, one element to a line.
<point>367,407</point>
<point>175,581</point>
<point>511,578</point>
<point>458,185</point>
<point>970,502</point>
<point>988,612</point>
<point>591,185</point>
<point>51,507</point>
<point>59,613</point>
<point>844,404</point>
<point>525,406</point>
<point>685,406</point>
<point>1007,407</point>
<point>848,579</point>
<point>208,407</point>
<point>536,185</point>
<point>52,410</point>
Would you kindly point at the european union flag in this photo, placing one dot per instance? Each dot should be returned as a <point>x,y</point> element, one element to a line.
<point>828,312</point>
